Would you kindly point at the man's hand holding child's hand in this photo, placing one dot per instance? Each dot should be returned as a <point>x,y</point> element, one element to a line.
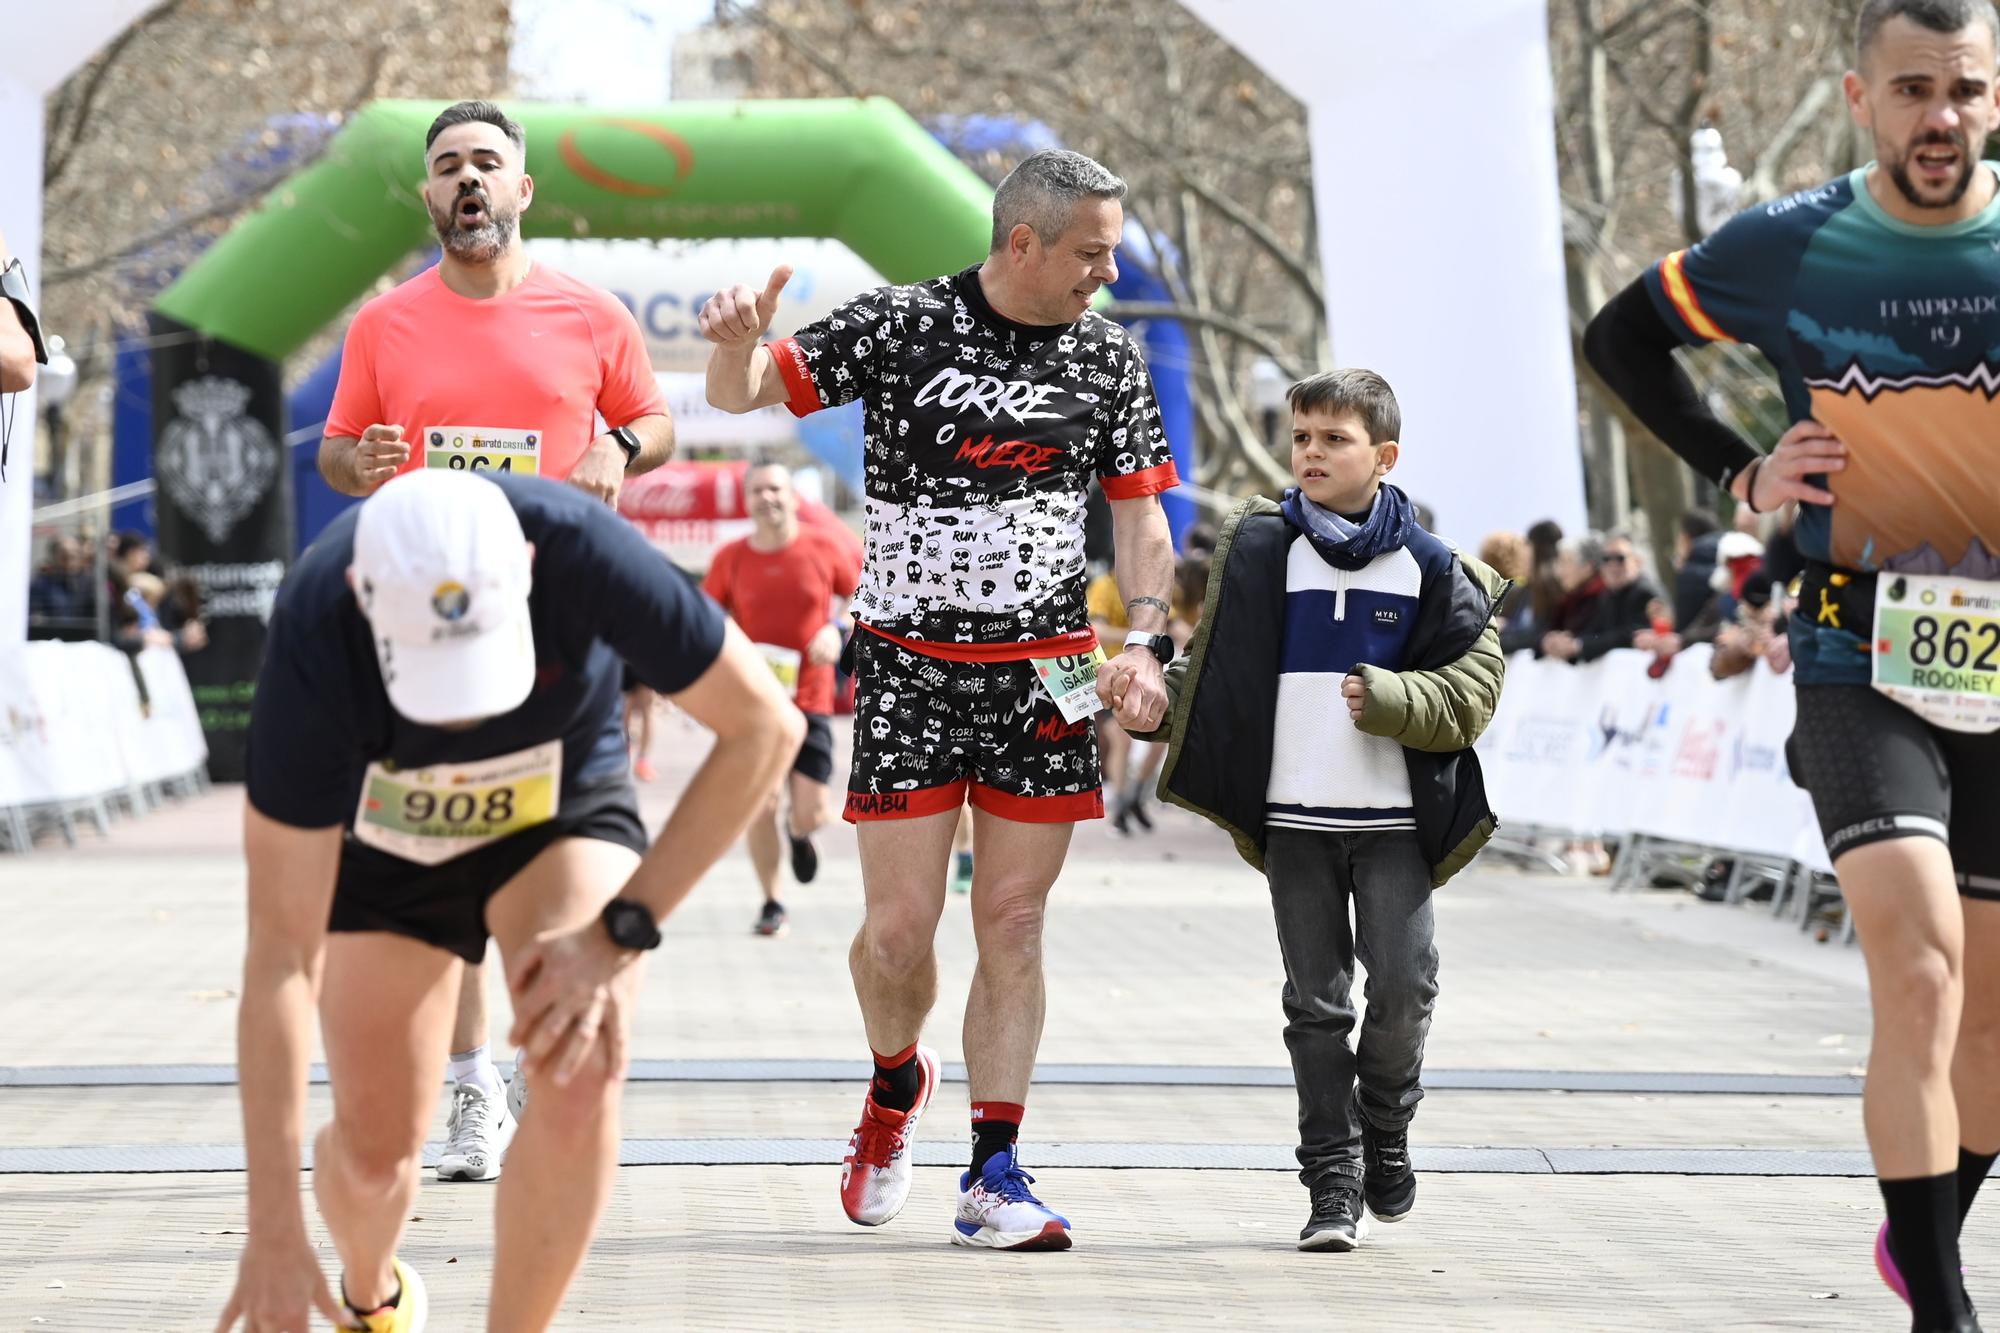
<point>1350,690</point>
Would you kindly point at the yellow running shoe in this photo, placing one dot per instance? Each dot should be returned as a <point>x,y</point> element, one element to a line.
<point>409,1314</point>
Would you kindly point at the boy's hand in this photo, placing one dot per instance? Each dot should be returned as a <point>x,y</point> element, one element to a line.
<point>1352,691</point>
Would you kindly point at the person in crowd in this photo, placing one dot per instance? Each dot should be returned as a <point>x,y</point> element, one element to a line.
<point>1510,555</point>
<point>1324,716</point>
<point>1545,586</point>
<point>60,590</point>
<point>1695,541</point>
<point>1620,614</point>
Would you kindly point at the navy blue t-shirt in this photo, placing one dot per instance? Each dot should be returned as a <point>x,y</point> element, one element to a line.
<point>600,593</point>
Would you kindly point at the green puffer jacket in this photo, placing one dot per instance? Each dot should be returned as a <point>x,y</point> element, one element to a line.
<point>1224,695</point>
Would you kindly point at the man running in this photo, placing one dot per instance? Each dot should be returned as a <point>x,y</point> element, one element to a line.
<point>489,361</point>
<point>993,395</point>
<point>435,755</point>
<point>1873,297</point>
<point>788,587</point>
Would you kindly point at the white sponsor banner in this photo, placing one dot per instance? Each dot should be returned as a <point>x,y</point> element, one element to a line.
<point>1605,748</point>
<point>73,727</point>
<point>665,283</point>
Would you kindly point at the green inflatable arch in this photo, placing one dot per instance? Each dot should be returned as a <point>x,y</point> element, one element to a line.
<point>861,172</point>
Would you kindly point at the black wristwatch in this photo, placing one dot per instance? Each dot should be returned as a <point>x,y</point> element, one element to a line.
<point>1159,645</point>
<point>630,925</point>
<point>14,288</point>
<point>626,441</point>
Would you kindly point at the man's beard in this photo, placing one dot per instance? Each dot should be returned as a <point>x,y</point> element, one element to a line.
<point>482,244</point>
<point>1900,174</point>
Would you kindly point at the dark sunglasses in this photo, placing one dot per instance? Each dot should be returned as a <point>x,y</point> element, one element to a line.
<point>1614,559</point>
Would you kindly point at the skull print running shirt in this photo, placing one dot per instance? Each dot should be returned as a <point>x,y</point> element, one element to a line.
<point>982,437</point>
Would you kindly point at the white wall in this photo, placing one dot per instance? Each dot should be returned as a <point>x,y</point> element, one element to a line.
<point>1440,234</point>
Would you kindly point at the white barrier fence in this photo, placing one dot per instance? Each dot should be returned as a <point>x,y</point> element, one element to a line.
<point>74,731</point>
<point>1604,748</point>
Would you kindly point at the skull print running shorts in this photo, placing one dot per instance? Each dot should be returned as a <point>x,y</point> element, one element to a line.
<point>929,730</point>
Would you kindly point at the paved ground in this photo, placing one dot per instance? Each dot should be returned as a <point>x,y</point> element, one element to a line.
<point>126,950</point>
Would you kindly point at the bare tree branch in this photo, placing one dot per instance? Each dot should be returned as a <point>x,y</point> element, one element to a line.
<point>77,106</point>
<point>1236,328</point>
<point>1762,181</point>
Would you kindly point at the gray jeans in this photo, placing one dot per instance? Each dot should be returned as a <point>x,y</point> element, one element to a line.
<point>1314,876</point>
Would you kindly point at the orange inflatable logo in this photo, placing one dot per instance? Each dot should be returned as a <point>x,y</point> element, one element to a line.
<point>573,157</point>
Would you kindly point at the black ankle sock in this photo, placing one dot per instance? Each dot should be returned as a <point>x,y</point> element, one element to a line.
<point>1972,1169</point>
<point>990,1138</point>
<point>897,1080</point>
<point>1923,1228</point>
<point>389,1304</point>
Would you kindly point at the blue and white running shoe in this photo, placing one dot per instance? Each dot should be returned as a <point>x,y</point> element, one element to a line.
<point>999,1212</point>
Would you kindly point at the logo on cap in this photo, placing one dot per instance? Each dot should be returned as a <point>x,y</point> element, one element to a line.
<point>451,601</point>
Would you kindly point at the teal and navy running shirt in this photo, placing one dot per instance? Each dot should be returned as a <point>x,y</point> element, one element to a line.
<point>1889,335</point>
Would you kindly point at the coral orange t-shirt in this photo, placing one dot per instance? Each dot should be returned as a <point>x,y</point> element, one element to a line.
<point>514,383</point>
<point>784,597</point>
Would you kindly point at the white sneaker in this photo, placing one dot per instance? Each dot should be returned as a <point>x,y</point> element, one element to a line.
<point>517,1090</point>
<point>998,1211</point>
<point>477,1133</point>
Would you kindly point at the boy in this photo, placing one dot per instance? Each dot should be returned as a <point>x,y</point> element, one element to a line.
<point>1324,714</point>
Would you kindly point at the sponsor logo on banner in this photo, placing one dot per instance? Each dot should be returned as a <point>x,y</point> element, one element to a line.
<point>215,460</point>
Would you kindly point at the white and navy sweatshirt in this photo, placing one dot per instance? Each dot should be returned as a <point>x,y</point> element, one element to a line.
<point>1327,774</point>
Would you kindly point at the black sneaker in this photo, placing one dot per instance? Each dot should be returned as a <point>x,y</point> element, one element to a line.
<point>1137,806</point>
<point>1337,1221</point>
<point>805,859</point>
<point>771,921</point>
<point>1387,1178</point>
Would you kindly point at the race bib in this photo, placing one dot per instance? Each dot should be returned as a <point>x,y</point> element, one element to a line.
<point>784,664</point>
<point>483,448</point>
<point>1071,682</point>
<point>433,814</point>
<point>1937,648</point>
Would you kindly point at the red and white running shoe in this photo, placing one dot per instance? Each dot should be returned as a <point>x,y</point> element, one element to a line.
<point>875,1174</point>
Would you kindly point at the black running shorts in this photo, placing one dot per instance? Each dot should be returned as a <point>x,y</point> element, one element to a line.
<point>445,905</point>
<point>1877,771</point>
<point>929,729</point>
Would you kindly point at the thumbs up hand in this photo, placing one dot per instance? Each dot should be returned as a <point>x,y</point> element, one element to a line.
<point>740,314</point>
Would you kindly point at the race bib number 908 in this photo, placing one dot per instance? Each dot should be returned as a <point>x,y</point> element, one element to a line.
<point>432,814</point>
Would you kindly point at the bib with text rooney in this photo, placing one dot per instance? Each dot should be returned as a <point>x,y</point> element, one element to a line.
<point>483,448</point>
<point>431,815</point>
<point>1937,648</point>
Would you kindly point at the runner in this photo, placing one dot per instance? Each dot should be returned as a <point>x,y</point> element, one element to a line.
<point>993,395</point>
<point>1872,296</point>
<point>788,587</point>
<point>489,361</point>
<point>458,635</point>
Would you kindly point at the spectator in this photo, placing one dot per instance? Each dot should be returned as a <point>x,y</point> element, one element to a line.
<point>1577,571</point>
<point>1545,587</point>
<point>60,590</point>
<point>1509,554</point>
<point>1625,615</point>
<point>1694,562</point>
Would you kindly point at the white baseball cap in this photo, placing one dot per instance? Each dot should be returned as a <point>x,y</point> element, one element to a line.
<point>442,571</point>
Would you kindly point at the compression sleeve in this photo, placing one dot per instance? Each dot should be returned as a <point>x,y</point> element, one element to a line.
<point>1631,347</point>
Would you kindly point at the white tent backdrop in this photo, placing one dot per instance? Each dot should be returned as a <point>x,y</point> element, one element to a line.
<point>1440,233</point>
<point>36,54</point>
